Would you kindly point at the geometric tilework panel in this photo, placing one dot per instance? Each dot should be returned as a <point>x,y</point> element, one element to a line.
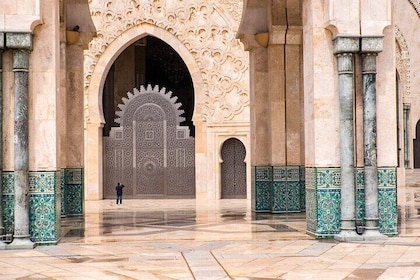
<point>44,207</point>
<point>74,200</point>
<point>311,211</point>
<point>72,187</point>
<point>263,176</point>
<point>360,195</point>
<point>263,196</point>
<point>62,191</point>
<point>278,189</point>
<point>388,208</point>
<point>8,201</point>
<point>387,199</point>
<point>328,214</point>
<point>323,200</point>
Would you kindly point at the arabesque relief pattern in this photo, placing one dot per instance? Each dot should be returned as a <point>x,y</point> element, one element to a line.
<point>403,60</point>
<point>206,28</point>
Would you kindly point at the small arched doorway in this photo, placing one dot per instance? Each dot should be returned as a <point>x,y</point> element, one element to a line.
<point>233,169</point>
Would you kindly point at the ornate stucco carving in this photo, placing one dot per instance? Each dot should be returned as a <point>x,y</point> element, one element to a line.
<point>416,5</point>
<point>403,61</point>
<point>206,28</point>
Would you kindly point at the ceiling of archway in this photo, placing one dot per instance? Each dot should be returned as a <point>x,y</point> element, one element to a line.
<point>206,28</point>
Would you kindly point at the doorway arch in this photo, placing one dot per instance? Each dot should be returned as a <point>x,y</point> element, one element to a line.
<point>233,169</point>
<point>93,114</point>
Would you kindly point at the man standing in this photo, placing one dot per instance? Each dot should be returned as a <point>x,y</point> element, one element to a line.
<point>119,189</point>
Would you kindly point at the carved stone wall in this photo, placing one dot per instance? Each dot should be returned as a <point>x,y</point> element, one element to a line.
<point>403,61</point>
<point>206,28</point>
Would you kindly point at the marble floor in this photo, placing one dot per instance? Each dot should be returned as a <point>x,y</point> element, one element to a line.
<point>179,239</point>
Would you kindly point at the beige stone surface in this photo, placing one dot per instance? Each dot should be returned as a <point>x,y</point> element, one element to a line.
<point>20,15</point>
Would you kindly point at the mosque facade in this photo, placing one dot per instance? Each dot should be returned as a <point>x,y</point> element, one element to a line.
<point>296,106</point>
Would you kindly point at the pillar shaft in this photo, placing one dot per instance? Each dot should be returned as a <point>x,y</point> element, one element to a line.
<point>370,47</point>
<point>21,44</point>
<point>369,138</point>
<point>346,91</point>
<point>344,47</point>
<point>21,154</point>
<point>1,140</point>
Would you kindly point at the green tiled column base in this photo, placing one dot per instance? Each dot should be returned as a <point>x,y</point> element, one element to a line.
<point>323,200</point>
<point>44,206</point>
<point>72,192</point>
<point>278,189</point>
<point>387,198</point>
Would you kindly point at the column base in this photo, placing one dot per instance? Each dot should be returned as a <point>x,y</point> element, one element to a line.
<point>3,246</point>
<point>347,236</point>
<point>373,235</point>
<point>21,244</point>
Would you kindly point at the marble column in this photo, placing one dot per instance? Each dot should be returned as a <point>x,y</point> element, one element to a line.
<point>369,51</point>
<point>344,49</point>
<point>2,245</point>
<point>21,53</point>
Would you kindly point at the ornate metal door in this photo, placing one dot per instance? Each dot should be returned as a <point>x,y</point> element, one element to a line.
<point>150,153</point>
<point>233,169</point>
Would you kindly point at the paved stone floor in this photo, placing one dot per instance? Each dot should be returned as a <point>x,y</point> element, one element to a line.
<point>177,239</point>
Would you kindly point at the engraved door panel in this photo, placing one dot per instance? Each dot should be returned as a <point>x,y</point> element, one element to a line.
<point>150,153</point>
<point>233,169</point>
<point>150,156</point>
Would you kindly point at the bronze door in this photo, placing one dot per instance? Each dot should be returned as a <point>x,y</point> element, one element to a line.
<point>150,152</point>
<point>233,169</point>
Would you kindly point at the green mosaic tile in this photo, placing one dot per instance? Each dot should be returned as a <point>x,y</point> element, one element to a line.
<point>278,189</point>
<point>279,203</point>
<point>387,177</point>
<point>360,177</point>
<point>293,196</point>
<point>302,196</point>
<point>42,182</point>
<point>263,196</point>
<point>74,176</point>
<point>328,212</point>
<point>293,173</point>
<point>74,200</point>
<point>8,182</point>
<point>44,207</point>
<point>310,178</point>
<point>387,199</point>
<point>279,173</point>
<point>63,193</point>
<point>72,197</point>
<point>328,178</point>
<point>42,217</point>
<point>8,201</point>
<point>360,204</point>
<point>8,212</point>
<point>302,173</point>
<point>311,210</point>
<point>263,173</point>
<point>388,211</point>
<point>323,201</point>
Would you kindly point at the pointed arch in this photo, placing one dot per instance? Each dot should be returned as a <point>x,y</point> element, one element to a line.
<point>94,119</point>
